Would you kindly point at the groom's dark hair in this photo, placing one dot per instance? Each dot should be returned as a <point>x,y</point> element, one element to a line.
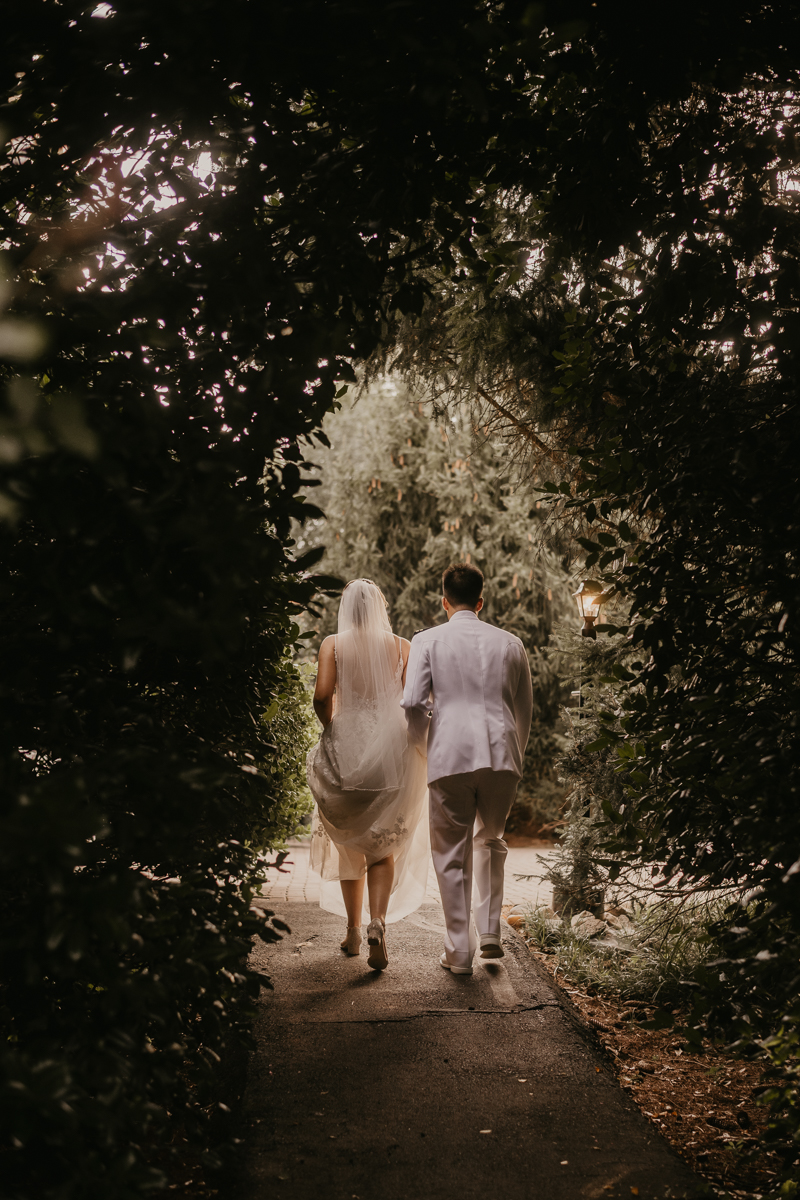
<point>462,584</point>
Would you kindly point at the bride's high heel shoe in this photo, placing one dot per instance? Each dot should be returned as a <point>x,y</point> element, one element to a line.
<point>376,936</point>
<point>352,942</point>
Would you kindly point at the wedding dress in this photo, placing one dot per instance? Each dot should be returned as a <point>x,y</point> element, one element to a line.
<point>368,783</point>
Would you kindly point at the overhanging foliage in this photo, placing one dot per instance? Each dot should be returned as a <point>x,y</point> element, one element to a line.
<point>363,160</point>
<point>205,215</point>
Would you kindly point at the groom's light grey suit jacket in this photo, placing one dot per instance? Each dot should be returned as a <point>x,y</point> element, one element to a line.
<point>474,681</point>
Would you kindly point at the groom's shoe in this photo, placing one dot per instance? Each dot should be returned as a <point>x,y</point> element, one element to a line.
<point>491,948</point>
<point>454,970</point>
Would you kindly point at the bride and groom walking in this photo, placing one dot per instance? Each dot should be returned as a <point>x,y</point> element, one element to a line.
<point>459,696</point>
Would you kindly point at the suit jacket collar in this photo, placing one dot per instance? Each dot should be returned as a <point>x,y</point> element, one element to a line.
<point>465,614</point>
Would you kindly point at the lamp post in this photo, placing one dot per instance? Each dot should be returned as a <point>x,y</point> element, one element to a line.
<point>589,597</point>
<point>581,889</point>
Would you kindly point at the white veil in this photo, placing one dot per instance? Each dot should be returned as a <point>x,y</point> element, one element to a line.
<point>371,739</point>
<point>368,783</point>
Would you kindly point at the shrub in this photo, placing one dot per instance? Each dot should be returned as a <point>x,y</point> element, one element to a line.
<point>292,728</point>
<point>183,203</point>
<point>658,961</point>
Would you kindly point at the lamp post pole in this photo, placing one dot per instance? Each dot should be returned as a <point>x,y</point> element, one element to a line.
<point>578,694</point>
<point>590,598</point>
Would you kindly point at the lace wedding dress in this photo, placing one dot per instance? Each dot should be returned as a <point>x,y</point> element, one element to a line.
<point>369,784</point>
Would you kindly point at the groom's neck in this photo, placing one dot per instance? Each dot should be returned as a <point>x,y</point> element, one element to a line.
<point>452,609</point>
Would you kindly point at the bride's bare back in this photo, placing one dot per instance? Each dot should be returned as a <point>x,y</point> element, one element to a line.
<point>327,673</point>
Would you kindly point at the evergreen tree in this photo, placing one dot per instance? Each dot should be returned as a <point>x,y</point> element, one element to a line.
<point>407,491</point>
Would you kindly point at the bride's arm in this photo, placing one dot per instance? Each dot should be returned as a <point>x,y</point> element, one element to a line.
<point>405,646</point>
<point>326,682</point>
<point>416,695</point>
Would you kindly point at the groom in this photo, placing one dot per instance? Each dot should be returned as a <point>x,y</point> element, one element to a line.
<point>468,698</point>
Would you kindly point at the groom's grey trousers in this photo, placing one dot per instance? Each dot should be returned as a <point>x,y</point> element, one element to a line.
<point>468,816</point>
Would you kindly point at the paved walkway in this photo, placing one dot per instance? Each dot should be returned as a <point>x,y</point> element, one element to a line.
<point>296,883</point>
<point>415,1084</point>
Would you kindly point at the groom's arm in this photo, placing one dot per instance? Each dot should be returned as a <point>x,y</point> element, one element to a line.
<point>417,694</point>
<point>523,699</point>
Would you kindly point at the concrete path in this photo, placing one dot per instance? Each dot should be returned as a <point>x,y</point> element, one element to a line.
<point>415,1084</point>
<point>525,883</point>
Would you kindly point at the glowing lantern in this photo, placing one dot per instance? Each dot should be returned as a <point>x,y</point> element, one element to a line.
<point>590,597</point>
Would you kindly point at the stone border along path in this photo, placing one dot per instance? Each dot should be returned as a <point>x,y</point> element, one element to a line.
<point>415,1084</point>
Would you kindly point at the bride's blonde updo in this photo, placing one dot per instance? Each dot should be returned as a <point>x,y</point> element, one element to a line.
<point>361,607</point>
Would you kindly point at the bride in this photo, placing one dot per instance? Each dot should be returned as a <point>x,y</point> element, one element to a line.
<point>369,784</point>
